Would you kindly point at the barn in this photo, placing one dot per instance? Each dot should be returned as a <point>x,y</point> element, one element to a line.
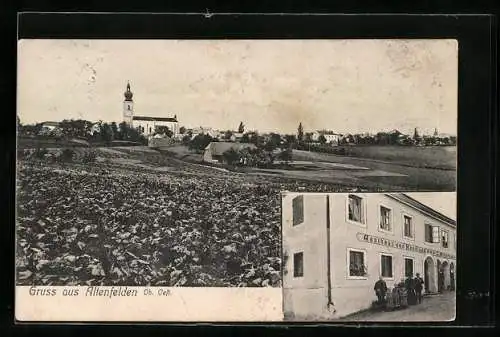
<point>215,150</point>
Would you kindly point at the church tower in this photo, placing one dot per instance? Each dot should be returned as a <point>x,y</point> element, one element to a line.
<point>128,106</point>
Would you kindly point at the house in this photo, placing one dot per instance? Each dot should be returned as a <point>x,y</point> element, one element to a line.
<point>50,128</point>
<point>215,150</point>
<point>330,136</point>
<point>337,245</point>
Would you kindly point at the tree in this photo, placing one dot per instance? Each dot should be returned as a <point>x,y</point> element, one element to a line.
<point>164,130</point>
<point>231,156</point>
<point>200,142</point>
<point>300,132</point>
<point>228,134</point>
<point>245,138</point>
<point>308,137</point>
<point>130,134</point>
<point>106,132</point>
<point>186,139</point>
<point>182,130</point>
<point>114,130</point>
<point>19,126</point>
<point>241,128</point>
<point>416,136</point>
<point>290,140</point>
<point>322,139</point>
<point>286,155</point>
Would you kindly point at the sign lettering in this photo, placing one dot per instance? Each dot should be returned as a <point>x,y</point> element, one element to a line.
<point>403,246</point>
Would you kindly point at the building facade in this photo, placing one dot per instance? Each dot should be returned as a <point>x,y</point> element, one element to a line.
<point>145,124</point>
<point>336,246</point>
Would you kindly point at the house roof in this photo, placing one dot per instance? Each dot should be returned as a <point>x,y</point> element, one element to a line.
<point>218,148</point>
<point>154,119</point>
<point>423,208</point>
<point>327,132</point>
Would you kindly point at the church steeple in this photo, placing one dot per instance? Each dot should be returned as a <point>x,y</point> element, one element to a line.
<point>128,106</point>
<point>128,94</point>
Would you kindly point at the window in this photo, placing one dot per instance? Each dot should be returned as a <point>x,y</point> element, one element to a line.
<point>444,238</point>
<point>385,218</point>
<point>298,210</point>
<point>408,267</point>
<point>355,209</point>
<point>386,265</point>
<point>298,264</point>
<point>407,224</point>
<point>357,263</point>
<point>431,233</point>
<point>128,107</point>
<point>149,129</point>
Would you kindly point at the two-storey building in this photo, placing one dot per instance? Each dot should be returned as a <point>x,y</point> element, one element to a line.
<point>337,245</point>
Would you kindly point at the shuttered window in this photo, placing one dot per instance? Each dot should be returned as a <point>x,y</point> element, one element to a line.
<point>355,209</point>
<point>435,234</point>
<point>385,218</point>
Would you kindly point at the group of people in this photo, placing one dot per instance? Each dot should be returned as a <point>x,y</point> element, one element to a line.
<point>412,285</point>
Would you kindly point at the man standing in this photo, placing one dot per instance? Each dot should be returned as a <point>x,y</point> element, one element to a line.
<point>380,289</point>
<point>418,285</point>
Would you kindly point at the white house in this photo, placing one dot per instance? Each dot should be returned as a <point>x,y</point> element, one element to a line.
<point>337,245</point>
<point>330,136</point>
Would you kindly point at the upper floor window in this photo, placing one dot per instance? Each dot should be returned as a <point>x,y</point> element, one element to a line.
<point>408,226</point>
<point>431,233</point>
<point>444,238</point>
<point>298,210</point>
<point>355,209</point>
<point>385,218</point>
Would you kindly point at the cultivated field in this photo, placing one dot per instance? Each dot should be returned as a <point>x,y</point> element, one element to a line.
<point>440,157</point>
<point>136,217</point>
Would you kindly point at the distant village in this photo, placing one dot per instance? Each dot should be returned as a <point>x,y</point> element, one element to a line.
<point>230,145</point>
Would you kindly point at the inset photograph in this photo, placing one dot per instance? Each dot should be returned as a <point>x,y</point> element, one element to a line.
<point>369,256</point>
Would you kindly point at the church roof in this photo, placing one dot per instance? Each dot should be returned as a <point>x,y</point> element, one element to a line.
<point>154,119</point>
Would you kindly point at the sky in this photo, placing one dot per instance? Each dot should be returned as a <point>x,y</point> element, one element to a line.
<point>347,86</point>
<point>443,202</point>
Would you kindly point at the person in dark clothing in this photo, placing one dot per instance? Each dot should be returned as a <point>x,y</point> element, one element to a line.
<point>380,289</point>
<point>410,290</point>
<point>418,284</point>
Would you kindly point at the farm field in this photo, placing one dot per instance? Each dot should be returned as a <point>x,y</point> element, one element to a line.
<point>429,174</point>
<point>135,217</point>
<point>439,157</point>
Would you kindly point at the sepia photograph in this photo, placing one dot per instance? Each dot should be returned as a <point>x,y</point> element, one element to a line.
<point>369,256</point>
<point>161,162</point>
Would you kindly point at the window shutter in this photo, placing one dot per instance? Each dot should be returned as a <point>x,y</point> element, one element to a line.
<point>435,234</point>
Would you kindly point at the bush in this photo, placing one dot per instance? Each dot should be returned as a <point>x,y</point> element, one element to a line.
<point>40,153</point>
<point>67,155</point>
<point>89,156</point>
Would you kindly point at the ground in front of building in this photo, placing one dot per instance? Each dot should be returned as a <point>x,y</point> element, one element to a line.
<point>437,308</point>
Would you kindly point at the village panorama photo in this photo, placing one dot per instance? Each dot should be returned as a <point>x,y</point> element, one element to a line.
<point>161,162</point>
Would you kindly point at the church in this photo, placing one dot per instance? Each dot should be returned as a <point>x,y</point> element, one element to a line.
<point>145,124</point>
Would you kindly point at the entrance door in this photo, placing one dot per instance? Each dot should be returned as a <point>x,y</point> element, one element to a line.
<point>429,280</point>
<point>440,276</point>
